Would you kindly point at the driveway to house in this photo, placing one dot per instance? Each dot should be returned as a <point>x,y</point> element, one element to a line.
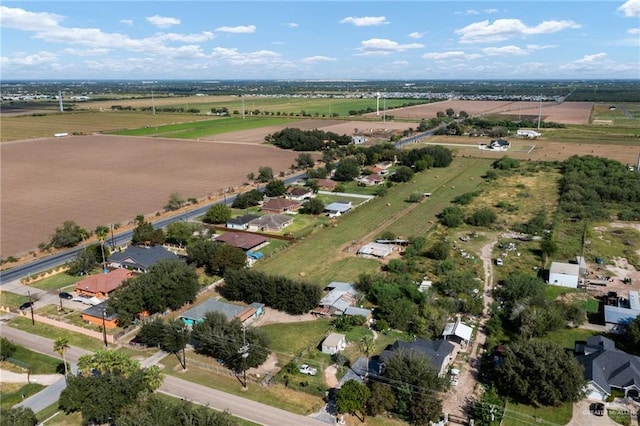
<point>582,416</point>
<point>241,407</point>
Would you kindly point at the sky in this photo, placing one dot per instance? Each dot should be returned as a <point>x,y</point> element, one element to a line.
<point>319,40</point>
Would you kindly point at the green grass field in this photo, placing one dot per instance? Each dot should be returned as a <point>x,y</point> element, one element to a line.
<point>12,300</point>
<point>292,338</point>
<point>519,414</point>
<point>61,281</point>
<point>50,332</point>
<point>36,362</point>
<point>13,393</point>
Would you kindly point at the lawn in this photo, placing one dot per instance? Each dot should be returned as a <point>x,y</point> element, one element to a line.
<point>520,414</point>
<point>36,362</point>
<point>58,282</point>
<point>12,300</point>
<point>613,242</point>
<point>567,337</point>
<point>291,339</point>
<point>50,332</point>
<point>13,393</point>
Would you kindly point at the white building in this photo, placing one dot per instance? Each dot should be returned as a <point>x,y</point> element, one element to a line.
<point>564,274</point>
<point>528,133</point>
<point>334,343</point>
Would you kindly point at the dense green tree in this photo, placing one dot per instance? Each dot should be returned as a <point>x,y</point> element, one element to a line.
<point>265,174</point>
<point>17,416</point>
<point>144,233</point>
<point>218,213</point>
<point>200,251</point>
<point>7,348</point>
<point>483,216</point>
<point>68,235</point>
<point>83,262</point>
<point>347,170</point>
<point>247,199</point>
<point>402,174</point>
<point>152,332</point>
<point>451,217</point>
<point>305,160</point>
<point>541,372</point>
<point>314,206</point>
<point>489,410</point>
<point>181,232</point>
<point>382,399</point>
<point>505,163</point>
<point>439,250</point>
<point>275,188</point>
<point>415,399</point>
<point>632,335</point>
<point>226,257</point>
<point>352,398</point>
<point>175,339</point>
<point>216,337</point>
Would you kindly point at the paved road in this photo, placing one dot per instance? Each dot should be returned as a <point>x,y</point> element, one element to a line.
<point>238,406</point>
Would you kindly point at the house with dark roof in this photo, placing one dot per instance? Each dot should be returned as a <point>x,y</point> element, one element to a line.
<point>326,184</point>
<point>281,206</point>
<point>139,259</point>
<point>618,316</point>
<point>607,368</point>
<point>439,352</point>
<point>101,285</point>
<point>270,223</point>
<point>245,314</point>
<point>341,299</point>
<point>97,315</point>
<point>299,193</point>
<point>241,222</point>
<point>244,240</point>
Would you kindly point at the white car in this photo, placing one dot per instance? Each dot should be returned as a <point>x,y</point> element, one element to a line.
<point>307,369</point>
<point>454,381</point>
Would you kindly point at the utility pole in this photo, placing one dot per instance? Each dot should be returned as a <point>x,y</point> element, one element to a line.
<point>104,328</point>
<point>33,321</point>
<point>244,353</point>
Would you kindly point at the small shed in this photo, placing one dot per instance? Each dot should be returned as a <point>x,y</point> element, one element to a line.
<point>334,343</point>
<point>564,274</point>
<point>457,331</point>
<point>375,250</point>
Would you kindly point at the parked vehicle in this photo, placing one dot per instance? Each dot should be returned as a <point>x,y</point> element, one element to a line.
<point>65,295</point>
<point>307,369</point>
<point>499,262</point>
<point>25,305</point>
<point>597,409</point>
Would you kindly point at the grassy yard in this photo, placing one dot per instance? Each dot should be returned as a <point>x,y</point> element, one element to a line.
<point>329,253</point>
<point>275,395</point>
<point>36,362</point>
<point>58,282</point>
<point>12,300</point>
<point>13,393</point>
<point>520,414</point>
<point>293,338</point>
<point>567,337</point>
<point>613,242</point>
<point>50,332</point>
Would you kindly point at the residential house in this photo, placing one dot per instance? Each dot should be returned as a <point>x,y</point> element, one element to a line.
<point>374,170</point>
<point>326,184</point>
<point>139,259</point>
<point>564,274</point>
<point>244,240</point>
<point>101,285</point>
<point>371,180</point>
<point>97,315</point>
<point>334,343</point>
<point>298,193</point>
<point>270,223</point>
<point>439,352</point>
<point>527,133</point>
<point>457,331</point>
<point>617,318</point>
<point>607,368</point>
<point>246,314</point>
<point>337,209</point>
<point>499,144</point>
<point>242,222</point>
<point>281,206</point>
<point>341,299</point>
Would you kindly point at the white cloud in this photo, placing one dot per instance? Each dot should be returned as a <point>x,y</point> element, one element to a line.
<point>378,46</point>
<point>633,31</point>
<point>477,12</point>
<point>316,59</point>
<point>453,55</point>
<point>240,29</point>
<point>631,9</point>
<point>20,59</point>
<point>591,59</point>
<point>291,25</point>
<point>87,52</point>
<point>597,63</point>
<point>365,21</point>
<point>186,38</point>
<point>505,51</point>
<point>128,22</point>
<point>21,19</point>
<point>163,21</point>
<point>416,35</point>
<point>234,57</point>
<point>503,29</point>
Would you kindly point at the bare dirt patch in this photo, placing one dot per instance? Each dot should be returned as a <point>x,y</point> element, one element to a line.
<point>273,316</point>
<point>100,179</point>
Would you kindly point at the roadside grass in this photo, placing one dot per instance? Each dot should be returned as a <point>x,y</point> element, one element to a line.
<point>275,395</point>
<point>57,282</point>
<point>86,122</point>
<point>354,188</point>
<point>12,300</point>
<point>318,257</point>
<point>71,316</point>
<point>14,393</point>
<point>50,332</point>
<point>610,243</point>
<point>567,337</point>
<point>596,135</point>
<point>519,414</point>
<point>36,362</point>
<point>204,128</point>
<point>56,417</point>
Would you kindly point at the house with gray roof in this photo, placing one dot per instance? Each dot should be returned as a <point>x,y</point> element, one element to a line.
<point>341,300</point>
<point>245,314</point>
<point>139,259</point>
<point>617,318</point>
<point>607,368</point>
<point>270,223</point>
<point>439,352</point>
<point>241,222</point>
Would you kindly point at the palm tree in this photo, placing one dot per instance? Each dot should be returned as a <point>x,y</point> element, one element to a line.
<point>60,346</point>
<point>367,346</point>
<point>101,233</point>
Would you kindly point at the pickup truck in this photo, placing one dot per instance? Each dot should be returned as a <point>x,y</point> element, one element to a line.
<point>307,369</point>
